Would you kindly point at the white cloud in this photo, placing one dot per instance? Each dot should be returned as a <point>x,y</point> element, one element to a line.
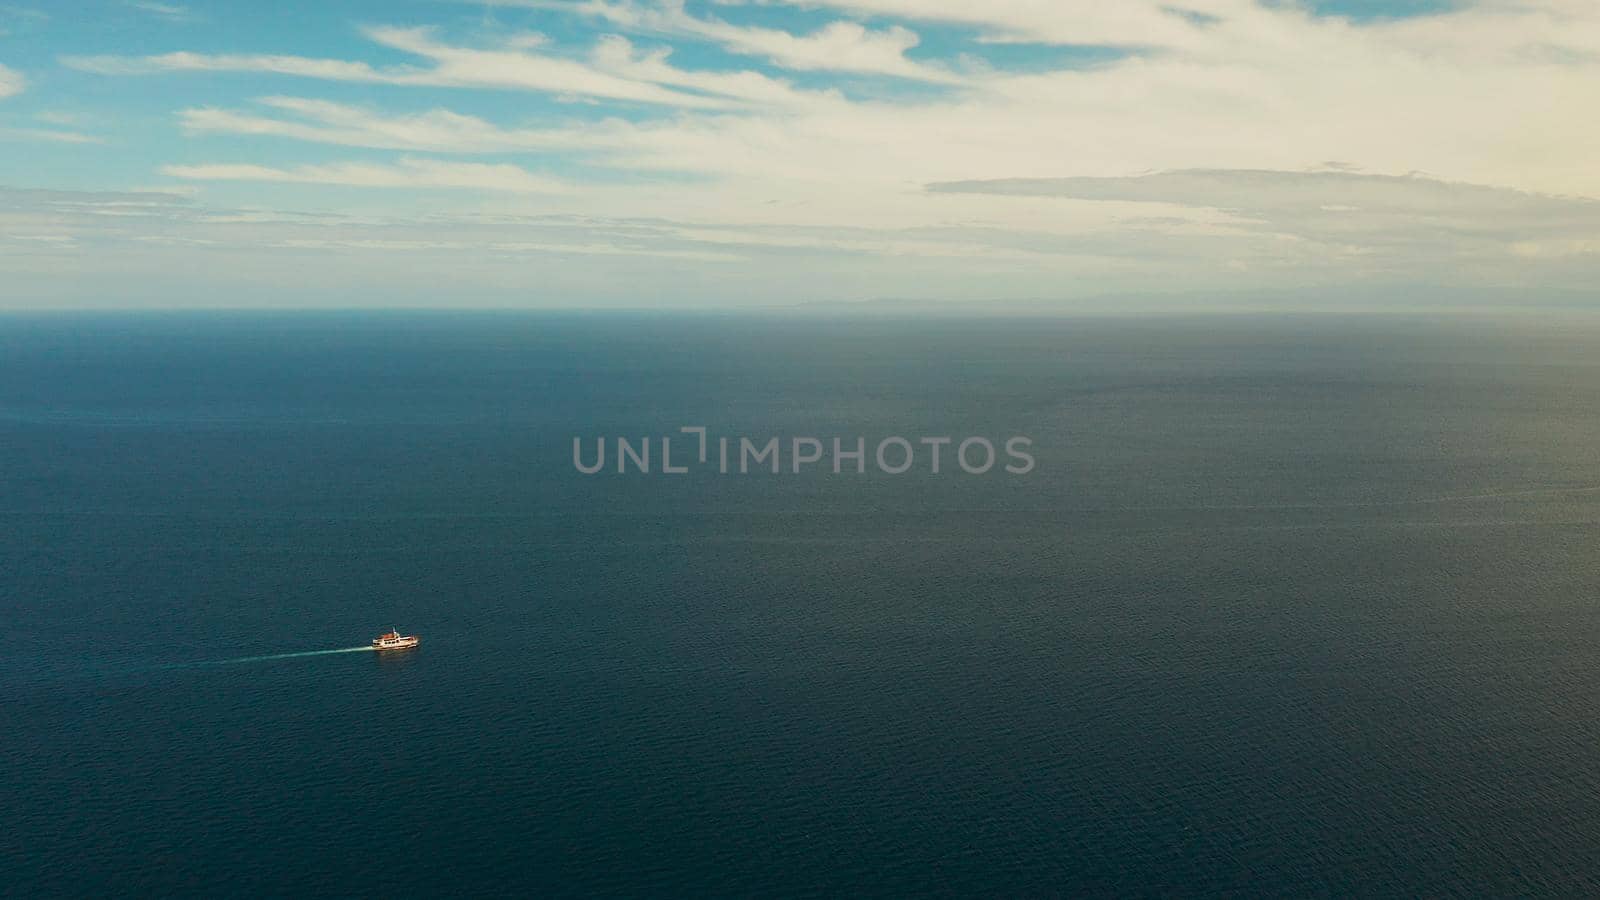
<point>505,247</point>
<point>57,117</point>
<point>49,135</point>
<point>842,46</point>
<point>407,173</point>
<point>1263,191</point>
<point>1368,213</point>
<point>184,61</point>
<point>11,82</point>
<point>521,67</point>
<point>615,72</point>
<point>1183,162</point>
<point>436,131</point>
<point>170,12</point>
<point>618,56</point>
<point>1134,23</point>
<point>165,249</point>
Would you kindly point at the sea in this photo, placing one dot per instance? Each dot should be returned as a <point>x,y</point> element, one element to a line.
<point>1288,604</point>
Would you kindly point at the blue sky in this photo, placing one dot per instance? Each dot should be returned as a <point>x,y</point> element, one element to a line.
<point>763,152</point>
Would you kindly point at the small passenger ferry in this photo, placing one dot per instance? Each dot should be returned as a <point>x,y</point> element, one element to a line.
<point>394,640</point>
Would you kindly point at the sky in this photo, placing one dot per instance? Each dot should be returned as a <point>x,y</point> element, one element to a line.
<point>1006,154</point>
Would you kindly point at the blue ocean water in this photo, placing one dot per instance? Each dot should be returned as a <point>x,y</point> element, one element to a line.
<point>1289,605</point>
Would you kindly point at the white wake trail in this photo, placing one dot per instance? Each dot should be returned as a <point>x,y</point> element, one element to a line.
<point>270,656</point>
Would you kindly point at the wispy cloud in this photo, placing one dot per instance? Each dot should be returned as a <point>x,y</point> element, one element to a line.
<point>807,141</point>
<point>58,117</point>
<point>49,135</point>
<point>383,246</point>
<point>1346,211</point>
<point>136,244</point>
<point>168,11</point>
<point>407,173</point>
<point>11,82</point>
<point>1264,192</point>
<point>1131,23</point>
<point>614,72</point>
<point>842,46</point>
<point>435,131</point>
<point>184,61</point>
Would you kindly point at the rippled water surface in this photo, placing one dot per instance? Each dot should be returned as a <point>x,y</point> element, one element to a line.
<point>1289,605</point>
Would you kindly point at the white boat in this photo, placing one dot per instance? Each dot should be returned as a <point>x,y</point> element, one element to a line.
<point>394,640</point>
